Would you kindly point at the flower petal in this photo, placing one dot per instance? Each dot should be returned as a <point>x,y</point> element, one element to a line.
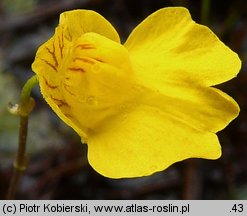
<point>79,22</point>
<point>97,80</point>
<point>47,66</point>
<point>203,108</point>
<point>145,141</point>
<point>53,55</point>
<point>169,45</point>
<point>91,82</point>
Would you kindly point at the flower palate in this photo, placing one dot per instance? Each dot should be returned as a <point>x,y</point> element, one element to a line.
<point>143,105</point>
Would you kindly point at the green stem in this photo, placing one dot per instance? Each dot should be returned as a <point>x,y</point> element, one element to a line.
<point>205,8</point>
<point>26,105</point>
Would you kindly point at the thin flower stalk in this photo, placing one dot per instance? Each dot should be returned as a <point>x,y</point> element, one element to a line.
<point>23,109</point>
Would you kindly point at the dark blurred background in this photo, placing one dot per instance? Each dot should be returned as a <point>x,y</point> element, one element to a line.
<point>58,167</point>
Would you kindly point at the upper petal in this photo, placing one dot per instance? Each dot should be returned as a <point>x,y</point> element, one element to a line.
<point>173,47</point>
<point>78,22</point>
<point>52,57</point>
<point>97,80</point>
<point>90,83</point>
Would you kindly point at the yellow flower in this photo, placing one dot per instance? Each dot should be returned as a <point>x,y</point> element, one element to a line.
<point>143,105</point>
